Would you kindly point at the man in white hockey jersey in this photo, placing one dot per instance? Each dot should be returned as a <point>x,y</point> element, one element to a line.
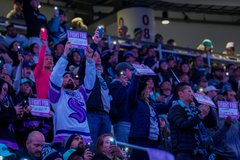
<point>69,104</point>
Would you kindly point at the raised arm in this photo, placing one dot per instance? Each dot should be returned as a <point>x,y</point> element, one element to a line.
<point>56,78</point>
<point>90,74</point>
<point>40,62</point>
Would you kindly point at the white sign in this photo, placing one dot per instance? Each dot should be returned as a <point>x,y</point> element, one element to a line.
<point>228,109</point>
<point>202,99</point>
<point>40,107</point>
<point>77,39</point>
<point>143,70</point>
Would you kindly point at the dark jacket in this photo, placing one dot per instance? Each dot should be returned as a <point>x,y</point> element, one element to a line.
<point>34,19</point>
<point>24,154</point>
<point>119,105</point>
<point>182,131</point>
<point>140,117</point>
<point>94,102</point>
<point>100,157</point>
<point>7,119</point>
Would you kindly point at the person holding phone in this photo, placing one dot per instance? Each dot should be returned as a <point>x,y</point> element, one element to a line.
<point>58,26</point>
<point>107,149</point>
<point>43,67</point>
<point>69,104</point>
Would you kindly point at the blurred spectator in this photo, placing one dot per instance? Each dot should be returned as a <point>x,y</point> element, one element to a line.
<point>49,153</point>
<point>58,27</point>
<point>154,94</point>
<point>158,39</point>
<point>5,62</point>
<point>33,150</point>
<point>34,49</point>
<point>128,57</point>
<point>16,12</point>
<point>218,80</point>
<point>187,139</point>
<point>34,20</point>
<point>75,141</point>
<point>144,117</point>
<point>109,60</point>
<point>106,150</point>
<point>206,45</point>
<point>211,91</point>
<point>138,33</point>
<point>58,52</point>
<point>172,62</point>
<point>119,112</point>
<point>166,92</point>
<point>171,43</point>
<point>230,95</point>
<point>234,81</point>
<point>43,71</point>
<point>230,49</point>
<point>12,36</point>
<point>203,83</point>
<point>151,59</point>
<point>14,52</point>
<point>163,73</point>
<point>122,32</point>
<point>5,153</point>
<point>198,69</point>
<point>184,68</point>
<point>165,132</point>
<point>69,103</point>
<point>75,59</point>
<point>98,104</point>
<point>8,116</point>
<point>184,78</point>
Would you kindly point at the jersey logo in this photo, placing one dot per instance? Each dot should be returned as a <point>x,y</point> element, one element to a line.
<point>79,112</point>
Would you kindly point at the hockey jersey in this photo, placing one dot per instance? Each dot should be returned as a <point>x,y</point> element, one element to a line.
<point>69,105</point>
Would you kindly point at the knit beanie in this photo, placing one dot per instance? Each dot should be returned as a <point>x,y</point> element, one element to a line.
<point>68,141</point>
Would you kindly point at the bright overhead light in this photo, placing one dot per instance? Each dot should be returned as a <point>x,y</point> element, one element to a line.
<point>165,19</point>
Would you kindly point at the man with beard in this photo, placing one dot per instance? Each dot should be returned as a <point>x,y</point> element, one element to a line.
<point>76,142</point>
<point>69,104</point>
<point>33,149</point>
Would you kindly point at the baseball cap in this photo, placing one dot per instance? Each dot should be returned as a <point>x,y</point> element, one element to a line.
<point>122,66</point>
<point>210,88</point>
<point>4,151</point>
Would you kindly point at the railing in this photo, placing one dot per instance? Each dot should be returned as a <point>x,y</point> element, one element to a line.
<point>177,50</point>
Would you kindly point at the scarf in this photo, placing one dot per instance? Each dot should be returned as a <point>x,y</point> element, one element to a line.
<point>203,140</point>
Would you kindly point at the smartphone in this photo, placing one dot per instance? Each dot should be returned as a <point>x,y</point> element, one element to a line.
<point>90,145</point>
<point>100,31</point>
<point>24,103</point>
<point>121,73</point>
<point>56,10</point>
<point>114,42</point>
<point>44,33</point>
<point>227,73</point>
<point>112,141</point>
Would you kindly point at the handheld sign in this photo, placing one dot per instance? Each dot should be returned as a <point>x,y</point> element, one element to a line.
<point>228,109</point>
<point>77,39</point>
<point>40,107</point>
<point>143,70</point>
<point>202,99</point>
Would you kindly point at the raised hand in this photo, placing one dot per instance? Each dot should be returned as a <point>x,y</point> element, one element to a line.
<point>89,52</point>
<point>67,49</point>
<point>204,110</point>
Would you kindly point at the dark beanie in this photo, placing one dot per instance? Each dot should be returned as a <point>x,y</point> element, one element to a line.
<point>49,153</point>
<point>69,140</point>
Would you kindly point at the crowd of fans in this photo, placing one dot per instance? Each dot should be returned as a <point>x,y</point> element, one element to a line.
<point>97,98</point>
